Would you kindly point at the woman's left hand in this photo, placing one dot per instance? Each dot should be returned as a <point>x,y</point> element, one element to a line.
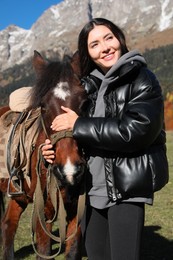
<point>64,121</point>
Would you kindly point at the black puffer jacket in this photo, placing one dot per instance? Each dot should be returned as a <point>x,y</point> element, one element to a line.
<point>131,136</point>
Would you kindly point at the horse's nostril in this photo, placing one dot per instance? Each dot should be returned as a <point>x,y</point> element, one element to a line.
<point>57,171</point>
<point>80,167</point>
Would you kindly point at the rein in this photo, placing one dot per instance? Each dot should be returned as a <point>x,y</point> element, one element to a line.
<point>52,188</point>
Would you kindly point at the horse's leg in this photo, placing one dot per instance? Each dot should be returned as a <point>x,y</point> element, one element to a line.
<point>73,250</point>
<point>42,239</point>
<point>9,226</point>
<point>73,247</point>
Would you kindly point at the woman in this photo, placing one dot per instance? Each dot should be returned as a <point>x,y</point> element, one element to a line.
<point>123,138</point>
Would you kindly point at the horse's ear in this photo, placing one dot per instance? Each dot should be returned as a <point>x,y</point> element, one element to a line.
<point>76,64</point>
<point>38,63</point>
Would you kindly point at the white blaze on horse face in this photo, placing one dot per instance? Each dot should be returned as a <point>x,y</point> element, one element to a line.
<point>69,170</point>
<point>62,90</point>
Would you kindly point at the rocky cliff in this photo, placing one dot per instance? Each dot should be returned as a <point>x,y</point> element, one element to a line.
<point>144,21</point>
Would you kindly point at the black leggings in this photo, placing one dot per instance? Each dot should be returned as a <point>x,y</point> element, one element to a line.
<point>114,233</point>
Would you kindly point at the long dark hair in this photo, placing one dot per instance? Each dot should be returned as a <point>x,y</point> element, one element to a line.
<point>87,65</point>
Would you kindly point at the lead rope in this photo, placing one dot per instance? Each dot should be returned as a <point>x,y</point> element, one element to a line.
<point>38,211</point>
<point>38,208</point>
<point>81,200</point>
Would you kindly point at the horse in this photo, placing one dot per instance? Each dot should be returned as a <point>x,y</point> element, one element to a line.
<point>57,83</point>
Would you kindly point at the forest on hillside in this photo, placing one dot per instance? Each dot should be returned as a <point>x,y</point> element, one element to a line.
<point>160,61</point>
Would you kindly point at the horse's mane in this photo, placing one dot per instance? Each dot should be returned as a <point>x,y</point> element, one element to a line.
<point>50,74</point>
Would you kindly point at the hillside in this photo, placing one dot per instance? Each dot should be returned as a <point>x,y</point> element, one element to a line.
<point>148,26</point>
<point>152,41</point>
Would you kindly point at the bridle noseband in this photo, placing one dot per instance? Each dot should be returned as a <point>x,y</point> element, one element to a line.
<point>60,135</point>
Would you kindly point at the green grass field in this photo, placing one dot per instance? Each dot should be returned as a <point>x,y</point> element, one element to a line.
<point>158,232</point>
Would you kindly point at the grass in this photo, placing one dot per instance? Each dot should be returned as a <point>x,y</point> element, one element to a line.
<point>158,231</point>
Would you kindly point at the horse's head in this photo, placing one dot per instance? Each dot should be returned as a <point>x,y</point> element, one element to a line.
<point>58,83</point>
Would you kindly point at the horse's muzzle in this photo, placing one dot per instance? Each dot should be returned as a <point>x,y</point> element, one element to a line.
<point>66,175</point>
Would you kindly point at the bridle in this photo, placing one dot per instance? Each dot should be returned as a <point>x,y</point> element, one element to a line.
<point>38,203</point>
<point>60,135</point>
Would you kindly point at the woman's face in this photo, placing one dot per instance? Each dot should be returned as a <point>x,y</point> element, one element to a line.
<point>103,47</point>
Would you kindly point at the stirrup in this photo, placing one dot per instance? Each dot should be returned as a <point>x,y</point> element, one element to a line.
<point>18,187</point>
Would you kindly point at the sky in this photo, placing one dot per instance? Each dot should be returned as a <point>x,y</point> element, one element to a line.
<point>23,13</point>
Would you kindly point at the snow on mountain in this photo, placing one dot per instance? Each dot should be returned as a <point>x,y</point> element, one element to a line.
<point>166,15</point>
<point>58,27</point>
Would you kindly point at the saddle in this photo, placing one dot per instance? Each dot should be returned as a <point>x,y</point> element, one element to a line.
<point>19,132</point>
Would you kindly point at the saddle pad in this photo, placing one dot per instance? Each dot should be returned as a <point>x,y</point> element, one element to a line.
<point>24,139</point>
<point>6,124</point>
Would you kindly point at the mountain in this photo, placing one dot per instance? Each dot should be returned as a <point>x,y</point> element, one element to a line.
<point>147,24</point>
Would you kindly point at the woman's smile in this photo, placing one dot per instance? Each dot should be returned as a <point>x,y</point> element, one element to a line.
<point>108,57</point>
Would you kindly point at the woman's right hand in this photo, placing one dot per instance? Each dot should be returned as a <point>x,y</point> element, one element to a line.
<point>47,151</point>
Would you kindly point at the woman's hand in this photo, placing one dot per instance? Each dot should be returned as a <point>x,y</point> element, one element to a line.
<point>47,151</point>
<point>64,121</point>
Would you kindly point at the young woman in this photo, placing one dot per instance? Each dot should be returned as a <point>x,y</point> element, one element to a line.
<point>123,138</point>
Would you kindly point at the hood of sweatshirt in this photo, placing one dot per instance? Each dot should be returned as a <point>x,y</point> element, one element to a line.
<point>126,64</point>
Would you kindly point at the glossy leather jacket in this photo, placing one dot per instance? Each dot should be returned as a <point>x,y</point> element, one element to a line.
<point>131,137</point>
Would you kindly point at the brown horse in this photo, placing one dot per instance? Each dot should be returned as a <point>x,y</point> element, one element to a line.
<point>58,83</point>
